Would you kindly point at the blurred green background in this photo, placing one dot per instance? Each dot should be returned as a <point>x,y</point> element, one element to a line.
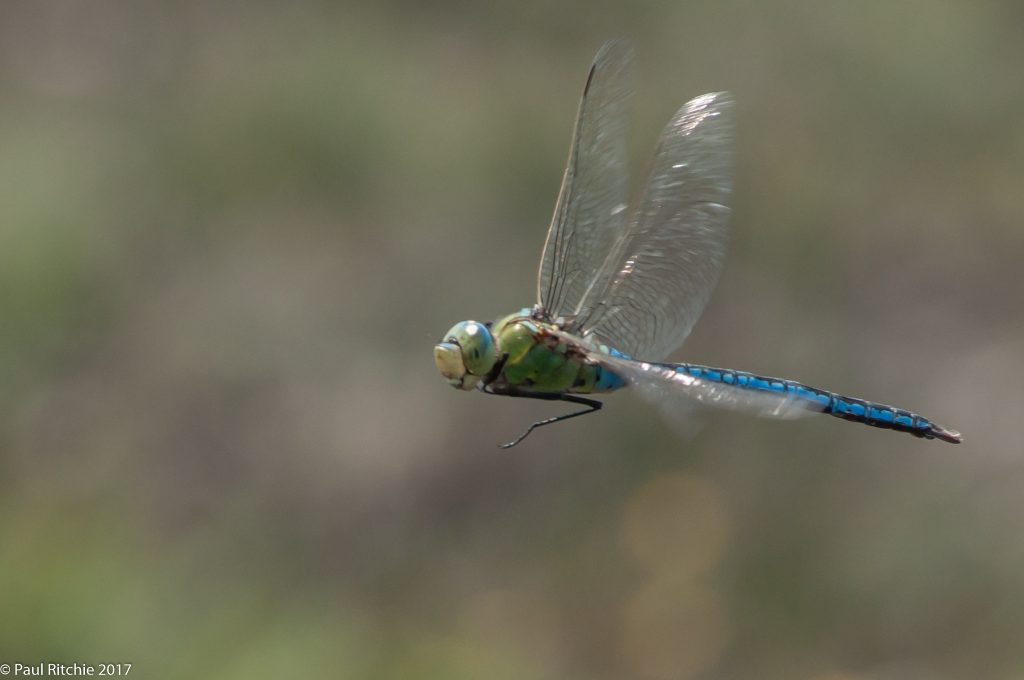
<point>231,232</point>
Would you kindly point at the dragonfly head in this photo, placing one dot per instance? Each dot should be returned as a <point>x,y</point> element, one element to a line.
<point>467,354</point>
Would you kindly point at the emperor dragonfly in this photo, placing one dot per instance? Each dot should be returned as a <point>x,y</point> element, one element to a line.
<point>615,284</point>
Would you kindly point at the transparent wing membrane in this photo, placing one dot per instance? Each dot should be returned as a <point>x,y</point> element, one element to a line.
<point>657,279</point>
<point>590,214</point>
<point>665,386</point>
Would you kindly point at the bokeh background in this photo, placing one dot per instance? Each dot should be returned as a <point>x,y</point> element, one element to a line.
<point>230,233</point>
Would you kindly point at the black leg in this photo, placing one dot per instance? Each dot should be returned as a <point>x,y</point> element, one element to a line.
<point>591,404</point>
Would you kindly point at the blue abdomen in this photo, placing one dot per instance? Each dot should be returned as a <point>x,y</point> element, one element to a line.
<point>824,401</point>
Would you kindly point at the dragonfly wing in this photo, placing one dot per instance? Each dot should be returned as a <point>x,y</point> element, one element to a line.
<point>662,271</point>
<point>591,210</point>
<point>663,385</point>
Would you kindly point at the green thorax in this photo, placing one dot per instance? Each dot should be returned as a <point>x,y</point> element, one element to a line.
<point>542,361</point>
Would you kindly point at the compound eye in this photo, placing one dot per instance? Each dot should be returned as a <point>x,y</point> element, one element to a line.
<point>478,351</point>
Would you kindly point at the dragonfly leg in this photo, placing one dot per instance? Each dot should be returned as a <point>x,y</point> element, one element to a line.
<point>591,404</point>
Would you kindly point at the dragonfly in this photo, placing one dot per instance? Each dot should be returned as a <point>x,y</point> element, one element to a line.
<point>618,290</point>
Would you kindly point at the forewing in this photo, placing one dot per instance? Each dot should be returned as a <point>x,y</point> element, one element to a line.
<point>661,274</point>
<point>591,210</point>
